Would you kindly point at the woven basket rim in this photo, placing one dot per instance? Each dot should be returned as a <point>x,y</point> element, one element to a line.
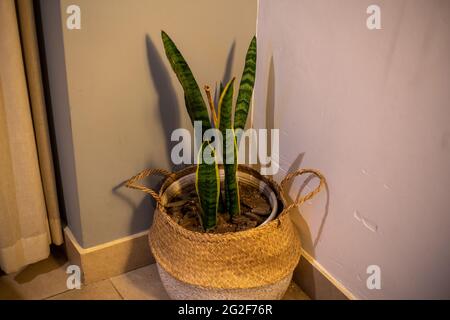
<point>226,235</point>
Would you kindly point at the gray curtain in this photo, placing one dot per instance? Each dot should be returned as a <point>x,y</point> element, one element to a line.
<point>29,213</point>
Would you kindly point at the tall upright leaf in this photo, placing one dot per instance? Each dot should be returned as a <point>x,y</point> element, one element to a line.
<point>246,87</point>
<point>207,184</point>
<point>229,149</point>
<point>193,97</point>
<point>188,108</point>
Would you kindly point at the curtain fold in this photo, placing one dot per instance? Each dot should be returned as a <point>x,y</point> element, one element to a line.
<point>29,213</point>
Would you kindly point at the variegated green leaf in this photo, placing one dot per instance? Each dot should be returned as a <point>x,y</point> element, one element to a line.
<point>207,184</point>
<point>221,205</point>
<point>231,180</point>
<point>193,97</point>
<point>188,108</point>
<point>229,150</point>
<point>226,107</point>
<point>246,87</point>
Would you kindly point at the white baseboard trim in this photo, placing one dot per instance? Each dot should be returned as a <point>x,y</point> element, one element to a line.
<point>317,282</point>
<point>109,259</point>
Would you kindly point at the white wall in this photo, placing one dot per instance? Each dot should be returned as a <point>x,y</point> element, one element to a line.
<point>371,109</point>
<point>116,100</point>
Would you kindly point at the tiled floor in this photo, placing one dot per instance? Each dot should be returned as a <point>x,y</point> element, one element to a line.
<point>37,281</point>
<point>47,280</point>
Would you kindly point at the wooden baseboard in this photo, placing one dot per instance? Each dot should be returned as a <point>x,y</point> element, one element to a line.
<point>109,259</point>
<point>317,283</point>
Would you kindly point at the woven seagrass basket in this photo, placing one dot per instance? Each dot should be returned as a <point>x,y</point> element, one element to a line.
<point>253,264</point>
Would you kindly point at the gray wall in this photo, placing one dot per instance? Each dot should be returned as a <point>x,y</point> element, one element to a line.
<point>371,110</point>
<point>115,101</point>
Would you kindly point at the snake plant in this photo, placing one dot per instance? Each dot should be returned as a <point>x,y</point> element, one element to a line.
<point>207,176</point>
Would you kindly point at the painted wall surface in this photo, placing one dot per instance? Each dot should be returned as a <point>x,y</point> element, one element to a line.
<point>369,108</point>
<point>116,100</point>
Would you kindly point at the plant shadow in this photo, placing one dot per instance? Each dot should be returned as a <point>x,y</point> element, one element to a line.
<point>305,274</point>
<point>169,109</point>
<point>296,165</point>
<point>303,189</point>
<point>226,73</point>
<point>169,117</point>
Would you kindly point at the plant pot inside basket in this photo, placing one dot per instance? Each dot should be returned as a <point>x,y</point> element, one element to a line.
<point>259,203</point>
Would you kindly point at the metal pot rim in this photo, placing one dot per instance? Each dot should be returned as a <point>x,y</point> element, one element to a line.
<point>248,175</point>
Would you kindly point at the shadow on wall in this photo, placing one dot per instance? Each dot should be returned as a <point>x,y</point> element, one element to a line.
<point>304,269</point>
<point>305,275</point>
<point>270,100</point>
<point>296,164</point>
<point>168,107</point>
<point>226,73</point>
<point>138,258</point>
<point>229,63</point>
<point>169,117</point>
<point>310,243</point>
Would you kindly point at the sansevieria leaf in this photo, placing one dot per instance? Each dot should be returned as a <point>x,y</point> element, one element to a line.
<point>188,108</point>
<point>195,104</point>
<point>231,179</point>
<point>207,183</point>
<point>246,87</point>
<point>229,150</point>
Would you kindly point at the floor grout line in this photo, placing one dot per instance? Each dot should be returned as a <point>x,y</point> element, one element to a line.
<point>115,288</point>
<point>57,294</point>
<point>64,291</point>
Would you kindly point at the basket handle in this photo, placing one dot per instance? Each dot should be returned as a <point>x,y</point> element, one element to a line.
<point>132,182</point>
<point>308,196</point>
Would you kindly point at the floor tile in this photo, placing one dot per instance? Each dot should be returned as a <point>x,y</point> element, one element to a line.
<point>102,290</point>
<point>295,293</point>
<point>36,281</point>
<point>144,283</point>
<point>140,284</point>
<point>47,280</point>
